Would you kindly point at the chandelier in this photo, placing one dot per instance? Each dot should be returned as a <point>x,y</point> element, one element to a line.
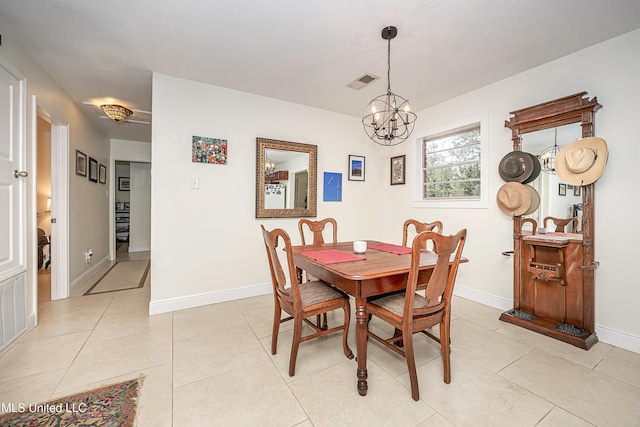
<point>388,119</point>
<point>269,168</point>
<point>548,156</point>
<point>116,112</point>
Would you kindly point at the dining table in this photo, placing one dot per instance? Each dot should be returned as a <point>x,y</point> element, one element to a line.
<point>382,269</point>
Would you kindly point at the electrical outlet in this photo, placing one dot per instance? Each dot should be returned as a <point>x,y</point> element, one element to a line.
<point>88,255</point>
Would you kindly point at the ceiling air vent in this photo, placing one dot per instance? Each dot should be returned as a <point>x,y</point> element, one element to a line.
<point>362,81</point>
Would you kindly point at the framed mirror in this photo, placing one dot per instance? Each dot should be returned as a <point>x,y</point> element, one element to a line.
<point>554,201</point>
<point>286,177</point>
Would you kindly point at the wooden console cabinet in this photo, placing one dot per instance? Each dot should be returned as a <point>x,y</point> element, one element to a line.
<point>552,291</point>
<point>553,275</point>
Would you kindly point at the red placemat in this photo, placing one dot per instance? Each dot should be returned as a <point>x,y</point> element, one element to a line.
<point>394,249</point>
<point>332,256</point>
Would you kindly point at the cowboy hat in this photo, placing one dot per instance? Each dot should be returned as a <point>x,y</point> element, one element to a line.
<point>517,199</point>
<point>535,200</point>
<point>582,162</point>
<point>518,166</point>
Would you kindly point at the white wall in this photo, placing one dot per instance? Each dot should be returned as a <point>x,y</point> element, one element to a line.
<point>206,245</point>
<point>608,71</point>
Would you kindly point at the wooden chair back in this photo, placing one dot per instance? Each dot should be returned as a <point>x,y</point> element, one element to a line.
<point>317,228</point>
<point>561,223</point>
<point>419,228</point>
<point>278,273</point>
<point>534,224</point>
<point>440,285</point>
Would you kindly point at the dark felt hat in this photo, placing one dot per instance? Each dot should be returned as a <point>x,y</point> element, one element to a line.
<point>519,166</point>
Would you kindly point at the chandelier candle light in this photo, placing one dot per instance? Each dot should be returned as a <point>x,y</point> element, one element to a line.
<point>389,119</point>
<point>116,112</point>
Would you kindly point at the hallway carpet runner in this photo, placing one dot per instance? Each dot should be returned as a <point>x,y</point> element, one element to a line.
<point>122,275</point>
<point>112,405</point>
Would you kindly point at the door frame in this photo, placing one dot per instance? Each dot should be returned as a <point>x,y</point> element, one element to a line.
<point>59,196</point>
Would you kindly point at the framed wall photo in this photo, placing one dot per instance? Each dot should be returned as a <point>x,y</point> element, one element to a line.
<point>576,190</point>
<point>93,170</point>
<point>562,189</point>
<point>332,189</point>
<point>397,170</point>
<point>208,150</point>
<point>102,175</point>
<point>123,183</point>
<point>356,168</point>
<point>81,163</point>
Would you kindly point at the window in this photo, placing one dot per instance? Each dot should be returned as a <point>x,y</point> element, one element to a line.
<point>452,168</point>
<point>451,165</point>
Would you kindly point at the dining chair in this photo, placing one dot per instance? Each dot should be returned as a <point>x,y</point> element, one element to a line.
<point>412,313</point>
<point>318,229</point>
<point>419,228</point>
<point>534,224</point>
<point>300,300</point>
<point>561,223</point>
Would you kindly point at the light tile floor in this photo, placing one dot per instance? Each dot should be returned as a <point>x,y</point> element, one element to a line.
<point>212,366</point>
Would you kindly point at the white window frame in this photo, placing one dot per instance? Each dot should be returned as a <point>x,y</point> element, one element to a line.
<point>469,203</point>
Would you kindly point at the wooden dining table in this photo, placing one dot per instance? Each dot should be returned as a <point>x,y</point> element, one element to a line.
<point>379,272</point>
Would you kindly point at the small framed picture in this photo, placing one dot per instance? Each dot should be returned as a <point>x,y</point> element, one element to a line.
<point>356,168</point>
<point>397,170</point>
<point>102,176</point>
<point>208,150</point>
<point>562,189</point>
<point>123,183</point>
<point>576,190</point>
<point>81,163</point>
<point>93,170</point>
<point>332,190</point>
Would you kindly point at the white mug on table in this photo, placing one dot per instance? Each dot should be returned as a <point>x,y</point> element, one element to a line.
<point>360,246</point>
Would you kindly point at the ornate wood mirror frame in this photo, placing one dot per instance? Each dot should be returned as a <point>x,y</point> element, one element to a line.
<point>291,148</point>
<point>577,108</point>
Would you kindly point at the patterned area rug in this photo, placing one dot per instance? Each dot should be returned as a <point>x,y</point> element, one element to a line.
<point>122,275</point>
<point>113,405</point>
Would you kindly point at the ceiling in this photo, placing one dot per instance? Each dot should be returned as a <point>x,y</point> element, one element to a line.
<point>300,51</point>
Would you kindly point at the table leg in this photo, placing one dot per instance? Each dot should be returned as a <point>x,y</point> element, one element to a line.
<point>361,344</point>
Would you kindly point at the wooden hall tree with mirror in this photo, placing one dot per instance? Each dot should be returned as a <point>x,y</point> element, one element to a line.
<point>554,280</point>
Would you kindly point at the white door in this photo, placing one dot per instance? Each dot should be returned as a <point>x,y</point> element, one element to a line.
<point>13,185</point>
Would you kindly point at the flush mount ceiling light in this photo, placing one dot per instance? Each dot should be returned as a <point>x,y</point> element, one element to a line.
<point>116,112</point>
<point>389,119</point>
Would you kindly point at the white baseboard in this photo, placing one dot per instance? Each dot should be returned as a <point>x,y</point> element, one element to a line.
<point>139,248</point>
<point>198,300</point>
<point>483,298</point>
<point>86,275</point>
<point>619,339</point>
<point>606,335</point>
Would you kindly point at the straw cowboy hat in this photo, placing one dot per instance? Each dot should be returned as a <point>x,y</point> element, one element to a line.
<point>582,162</point>
<point>518,166</point>
<point>515,199</point>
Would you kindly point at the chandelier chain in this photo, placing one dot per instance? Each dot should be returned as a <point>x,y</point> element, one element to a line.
<point>388,65</point>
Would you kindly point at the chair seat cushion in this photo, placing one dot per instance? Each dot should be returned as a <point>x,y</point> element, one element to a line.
<point>395,303</point>
<point>315,292</point>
